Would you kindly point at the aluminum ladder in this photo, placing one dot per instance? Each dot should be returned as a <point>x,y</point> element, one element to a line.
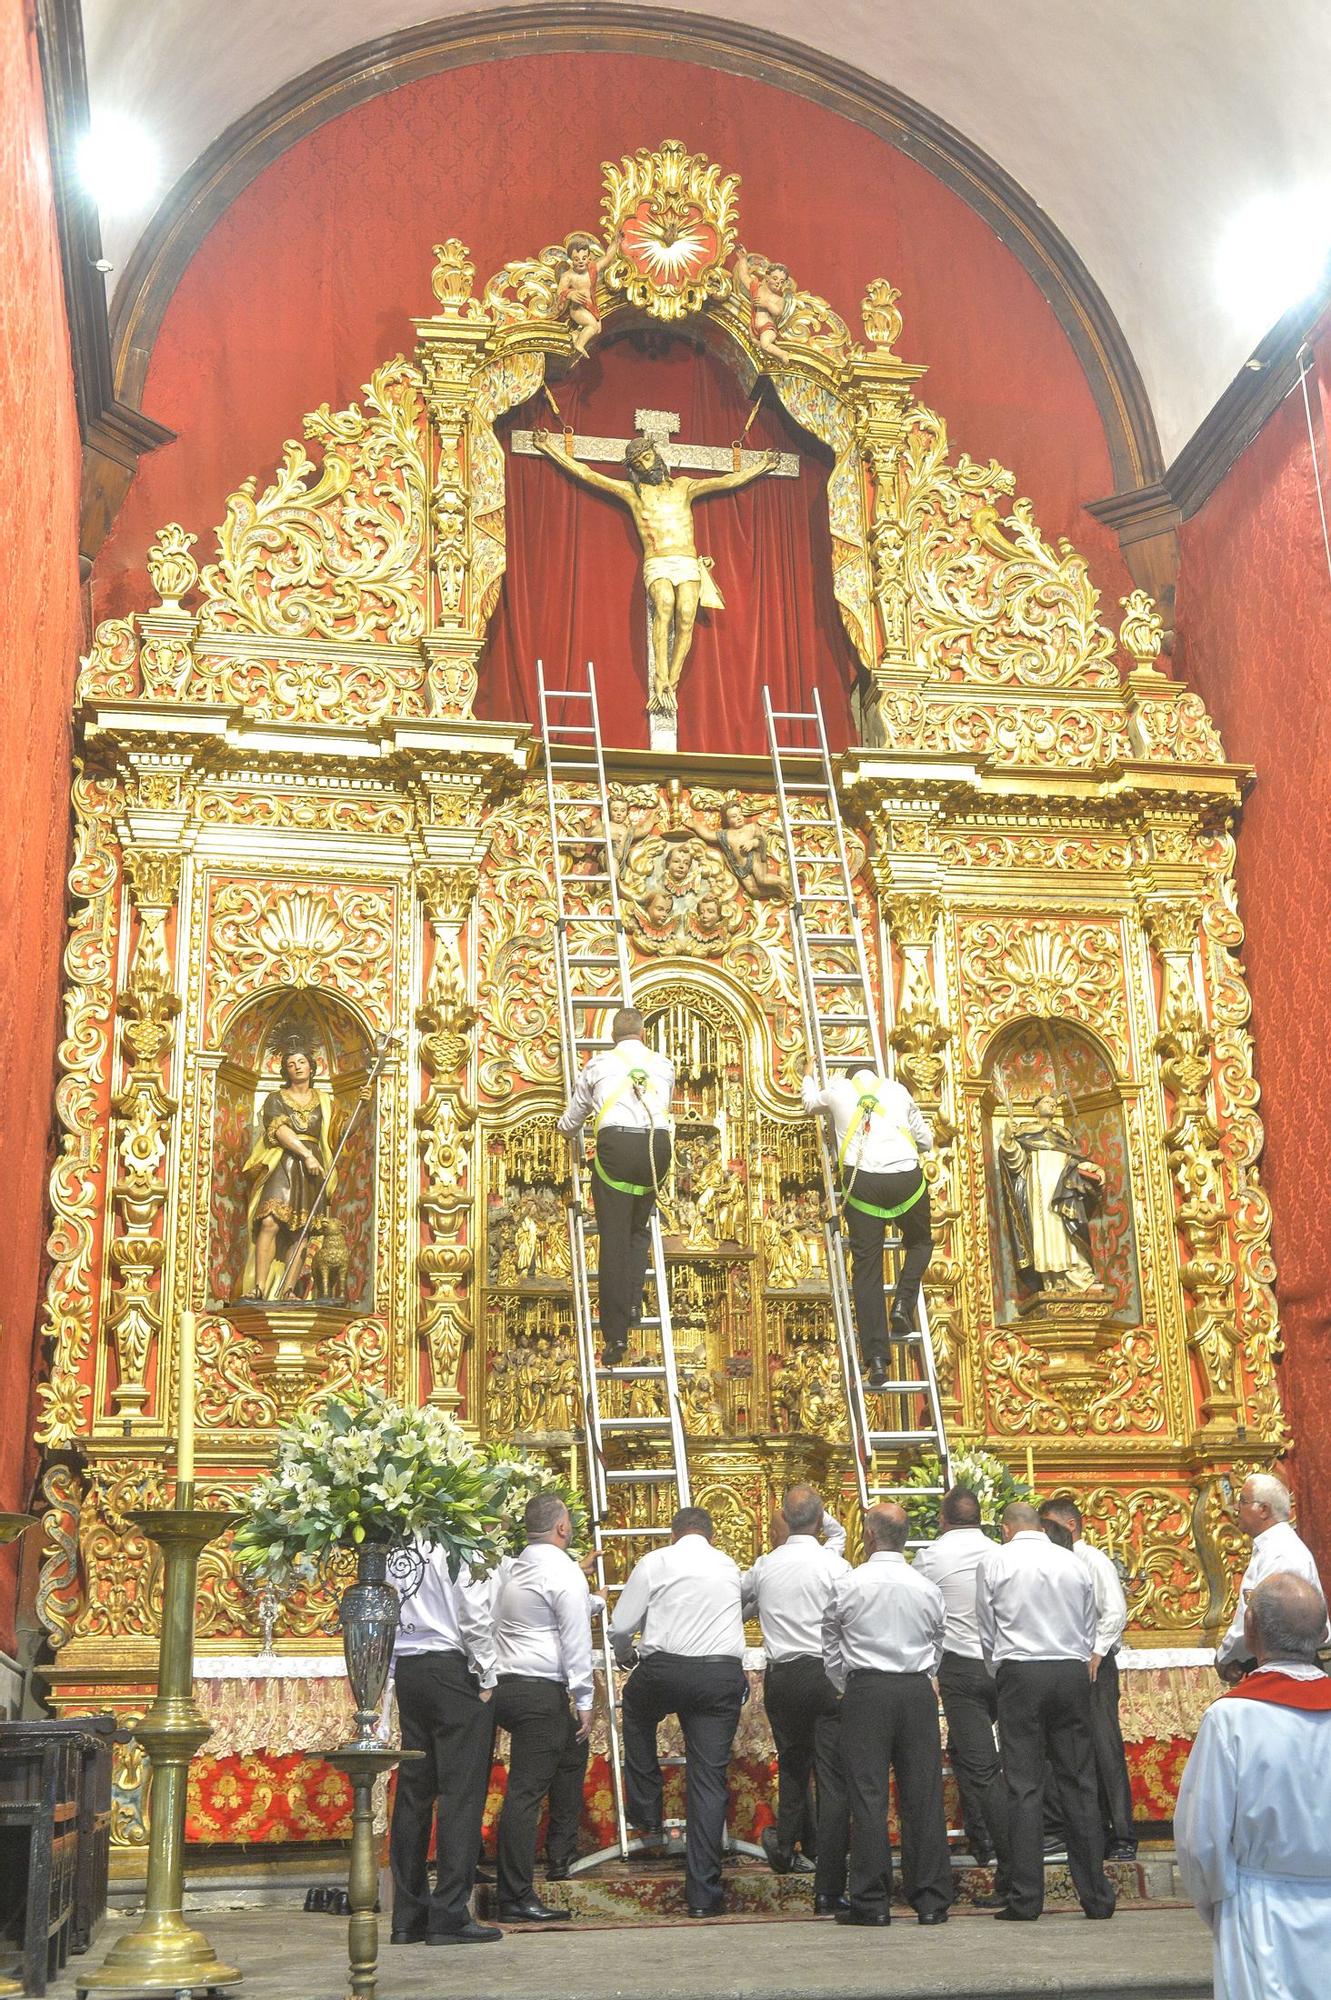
<point>841,1025</point>
<point>592,979</point>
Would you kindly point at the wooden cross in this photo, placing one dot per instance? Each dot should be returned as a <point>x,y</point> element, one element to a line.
<point>660,426</point>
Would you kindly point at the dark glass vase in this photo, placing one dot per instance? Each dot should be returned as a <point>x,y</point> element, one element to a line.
<point>369,1618</point>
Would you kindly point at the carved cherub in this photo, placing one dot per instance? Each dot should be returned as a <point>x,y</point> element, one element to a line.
<point>575,294</point>
<point>771,293</point>
<point>743,844</point>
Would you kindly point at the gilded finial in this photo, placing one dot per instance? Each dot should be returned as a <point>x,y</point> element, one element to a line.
<point>171,567</point>
<point>453,272</point>
<point>882,321</point>
<point>1142,632</point>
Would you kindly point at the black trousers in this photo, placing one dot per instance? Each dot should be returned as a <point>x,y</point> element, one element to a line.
<point>1111,1765</point>
<point>442,1714</point>
<point>1044,1712</point>
<point>539,1722</point>
<point>707,1695</point>
<point>805,1715</point>
<point>866,1234</point>
<point>566,1795</point>
<point>889,1722</point>
<point>970,1703</point>
<point>623,1222</point>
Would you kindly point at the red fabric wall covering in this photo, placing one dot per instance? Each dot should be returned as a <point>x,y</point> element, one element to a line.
<point>1254,617</point>
<point>310,279</point>
<point>39,492</point>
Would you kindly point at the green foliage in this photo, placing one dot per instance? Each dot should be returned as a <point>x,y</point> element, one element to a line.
<point>987,1477</point>
<point>362,1468</point>
<point>523,1476</point>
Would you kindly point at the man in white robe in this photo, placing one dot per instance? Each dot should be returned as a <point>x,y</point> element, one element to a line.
<point>1252,1827</point>
<point>1263,1512</point>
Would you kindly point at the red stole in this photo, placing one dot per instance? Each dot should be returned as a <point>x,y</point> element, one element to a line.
<point>1313,1696</point>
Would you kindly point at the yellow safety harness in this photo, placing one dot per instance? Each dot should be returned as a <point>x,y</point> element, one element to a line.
<point>867,1104</point>
<point>637,1080</point>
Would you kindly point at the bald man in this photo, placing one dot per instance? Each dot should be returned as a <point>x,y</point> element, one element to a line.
<point>1035,1611</point>
<point>1263,1510</point>
<point>1251,1828</point>
<point>882,1641</point>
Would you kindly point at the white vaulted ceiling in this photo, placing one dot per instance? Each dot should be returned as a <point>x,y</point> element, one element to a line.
<point>1141,127</point>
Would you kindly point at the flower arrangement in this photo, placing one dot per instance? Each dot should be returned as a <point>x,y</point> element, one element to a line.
<point>524,1476</point>
<point>993,1485</point>
<point>360,1468</point>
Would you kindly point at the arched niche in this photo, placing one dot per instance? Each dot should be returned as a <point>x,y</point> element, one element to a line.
<point>251,1047</point>
<point>1030,1060</point>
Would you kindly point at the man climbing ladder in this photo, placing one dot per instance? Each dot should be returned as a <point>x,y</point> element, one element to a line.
<point>880,1134</point>
<point>627,1088</point>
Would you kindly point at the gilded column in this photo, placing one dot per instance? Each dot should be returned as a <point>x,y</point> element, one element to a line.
<point>445,1121</point>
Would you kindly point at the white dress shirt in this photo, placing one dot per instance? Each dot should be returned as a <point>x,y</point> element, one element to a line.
<point>883,1616</point>
<point>604,1085</point>
<point>1278,1548</point>
<point>888,1139</point>
<point>685,1599</point>
<point>444,1617</point>
<point>1034,1601</point>
<point>788,1589</point>
<point>951,1563</point>
<point>1111,1606</point>
<point>542,1621</point>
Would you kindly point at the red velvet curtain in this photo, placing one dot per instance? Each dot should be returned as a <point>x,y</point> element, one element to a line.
<point>573,591</point>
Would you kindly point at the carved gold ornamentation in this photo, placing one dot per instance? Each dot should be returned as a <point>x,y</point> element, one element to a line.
<point>265,933</point>
<point>882,321</point>
<point>671,214</point>
<point>1142,632</point>
<point>453,274</point>
<point>1020,965</point>
<point>171,568</point>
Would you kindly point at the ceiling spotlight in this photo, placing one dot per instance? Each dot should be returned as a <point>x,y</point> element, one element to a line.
<point>1277,251</point>
<point>118,164</point>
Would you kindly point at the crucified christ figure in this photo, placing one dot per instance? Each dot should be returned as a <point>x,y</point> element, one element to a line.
<point>677,581</point>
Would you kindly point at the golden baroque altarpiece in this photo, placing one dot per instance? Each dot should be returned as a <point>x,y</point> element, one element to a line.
<point>289,823</point>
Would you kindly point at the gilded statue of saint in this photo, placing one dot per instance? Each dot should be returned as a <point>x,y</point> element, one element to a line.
<point>1050,1192</point>
<point>290,1161</point>
<point>677,578</point>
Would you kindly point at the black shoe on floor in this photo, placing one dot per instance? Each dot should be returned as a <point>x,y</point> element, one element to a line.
<point>827,1906</point>
<point>532,1912</point>
<point>1121,1850</point>
<point>556,1871</point>
<point>876,1920</point>
<point>877,1377</point>
<point>716,1909</point>
<point>486,1875</point>
<point>416,1935</point>
<point>993,1901</point>
<point>1101,1916</point>
<point>778,1859</point>
<point>469,1933</point>
<point>1007,1915</point>
<point>931,1916</point>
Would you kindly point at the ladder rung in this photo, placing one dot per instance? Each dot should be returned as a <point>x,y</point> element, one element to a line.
<point>850,977</point>
<point>593,999</point>
<point>820,861</point>
<point>845,1020</point>
<point>568,694</point>
<point>624,1534</point>
<point>634,1424</point>
<point>793,715</point>
<point>638,1476</point>
<point>830,937</point>
<point>569,729</point>
<point>901,1388</point>
<point>806,785</point>
<point>644,1374</point>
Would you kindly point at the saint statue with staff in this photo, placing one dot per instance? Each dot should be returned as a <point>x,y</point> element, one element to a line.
<point>1050,1192</point>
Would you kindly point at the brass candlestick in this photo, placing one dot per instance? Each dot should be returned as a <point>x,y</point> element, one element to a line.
<point>362,1763</point>
<point>11,1527</point>
<point>164,1955</point>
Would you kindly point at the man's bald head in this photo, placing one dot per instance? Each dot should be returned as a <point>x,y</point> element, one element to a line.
<point>803,1510</point>
<point>1285,1620</point>
<point>886,1527</point>
<point>1018,1518</point>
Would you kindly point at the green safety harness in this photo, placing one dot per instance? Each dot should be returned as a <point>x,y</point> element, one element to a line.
<point>637,1080</point>
<point>864,1110</point>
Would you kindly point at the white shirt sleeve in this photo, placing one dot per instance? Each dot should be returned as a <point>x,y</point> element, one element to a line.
<point>569,1604</point>
<point>748,1592</point>
<point>630,1610</point>
<point>834,1665</point>
<point>834,1535</point>
<point>1233,1646</point>
<point>1111,1606</point>
<point>984,1613</point>
<point>1204,1817</point>
<point>920,1130</point>
<point>940,1627</point>
<point>812,1098</point>
<point>580,1106</point>
<point>476,1627</point>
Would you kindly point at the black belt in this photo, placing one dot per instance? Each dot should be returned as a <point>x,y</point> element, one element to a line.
<point>796,1660</point>
<point>695,1659</point>
<point>887,1673</point>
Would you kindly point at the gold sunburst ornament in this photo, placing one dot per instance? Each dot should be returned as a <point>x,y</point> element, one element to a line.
<point>671,216</point>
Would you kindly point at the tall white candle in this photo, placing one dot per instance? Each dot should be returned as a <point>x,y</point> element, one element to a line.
<point>185,1447</point>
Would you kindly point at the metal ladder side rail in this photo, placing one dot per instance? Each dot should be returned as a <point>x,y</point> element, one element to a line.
<point>866,1438</point>
<point>587,762</point>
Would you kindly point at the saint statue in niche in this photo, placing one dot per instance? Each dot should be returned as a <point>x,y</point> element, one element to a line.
<point>288,1167</point>
<point>1050,1192</point>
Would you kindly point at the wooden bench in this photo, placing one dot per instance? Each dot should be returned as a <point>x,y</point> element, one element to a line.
<point>55,1831</point>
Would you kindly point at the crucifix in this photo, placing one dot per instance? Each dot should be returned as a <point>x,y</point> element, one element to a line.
<point>678,580</point>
